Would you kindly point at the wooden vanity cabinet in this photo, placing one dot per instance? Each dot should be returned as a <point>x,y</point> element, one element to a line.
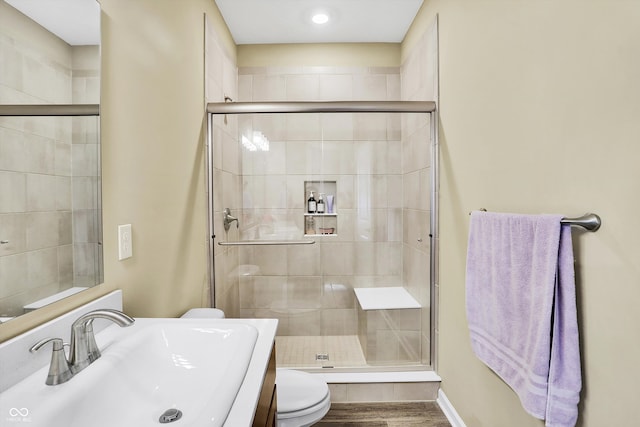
<point>267,403</point>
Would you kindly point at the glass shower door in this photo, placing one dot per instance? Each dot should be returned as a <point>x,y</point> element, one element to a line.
<point>359,296</point>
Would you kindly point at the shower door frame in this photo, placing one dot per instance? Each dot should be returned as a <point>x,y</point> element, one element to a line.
<point>427,107</point>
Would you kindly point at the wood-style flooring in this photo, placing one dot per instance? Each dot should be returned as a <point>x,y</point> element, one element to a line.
<point>392,414</point>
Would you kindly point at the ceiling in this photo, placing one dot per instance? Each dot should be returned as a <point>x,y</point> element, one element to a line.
<point>252,21</point>
<point>75,21</point>
<point>289,21</point>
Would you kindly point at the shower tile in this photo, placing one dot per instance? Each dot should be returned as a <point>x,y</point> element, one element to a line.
<point>393,87</point>
<point>13,227</point>
<point>65,264</point>
<point>41,192</point>
<point>245,88</point>
<point>302,87</point>
<point>337,126</point>
<point>337,157</point>
<point>63,193</point>
<point>269,292</point>
<point>304,157</point>
<point>346,226</point>
<point>336,87</point>
<point>12,152</point>
<point>371,225</point>
<point>275,192</point>
<point>304,322</point>
<point>304,260</point>
<point>85,159</point>
<point>369,127</point>
<point>370,392</point>
<point>39,154</point>
<point>338,292</point>
<point>272,260</point>
<point>338,258</point>
<point>269,88</point>
<point>411,190</point>
<point>345,199</point>
<point>230,154</point>
<point>63,159</point>
<point>13,274</point>
<point>229,78</point>
<point>303,127</point>
<point>416,230</point>
<point>65,232</point>
<point>217,142</point>
<point>42,267</point>
<point>394,191</point>
<point>371,191</point>
<point>85,226</point>
<point>230,196</point>
<point>370,87</point>
<point>339,322</point>
<point>304,292</point>
<point>418,148</point>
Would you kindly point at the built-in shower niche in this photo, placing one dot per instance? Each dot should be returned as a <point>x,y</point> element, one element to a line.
<point>321,224</point>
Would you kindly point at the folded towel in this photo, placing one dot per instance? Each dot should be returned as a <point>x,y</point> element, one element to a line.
<point>521,310</point>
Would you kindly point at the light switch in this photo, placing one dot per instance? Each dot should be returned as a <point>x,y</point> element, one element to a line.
<point>125,242</point>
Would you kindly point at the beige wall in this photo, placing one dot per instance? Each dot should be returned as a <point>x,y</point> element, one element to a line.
<point>539,113</point>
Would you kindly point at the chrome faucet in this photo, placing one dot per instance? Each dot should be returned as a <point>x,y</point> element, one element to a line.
<point>84,350</point>
<point>59,368</point>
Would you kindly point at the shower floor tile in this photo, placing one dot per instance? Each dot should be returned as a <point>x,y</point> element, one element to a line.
<point>301,351</point>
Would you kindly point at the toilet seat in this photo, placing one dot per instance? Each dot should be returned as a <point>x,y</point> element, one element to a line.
<point>302,398</point>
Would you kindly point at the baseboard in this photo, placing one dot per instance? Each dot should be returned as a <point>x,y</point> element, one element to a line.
<point>449,411</point>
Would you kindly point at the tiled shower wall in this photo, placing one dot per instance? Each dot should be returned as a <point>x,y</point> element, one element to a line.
<point>310,288</point>
<point>419,74</point>
<point>221,76</point>
<point>42,204</point>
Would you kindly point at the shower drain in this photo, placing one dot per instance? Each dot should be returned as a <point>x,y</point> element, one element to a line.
<point>170,415</point>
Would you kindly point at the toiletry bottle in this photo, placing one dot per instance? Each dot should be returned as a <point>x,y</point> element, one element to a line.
<point>320,205</point>
<point>311,203</point>
<point>310,226</point>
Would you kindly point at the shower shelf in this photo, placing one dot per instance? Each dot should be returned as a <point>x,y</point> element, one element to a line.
<point>326,221</point>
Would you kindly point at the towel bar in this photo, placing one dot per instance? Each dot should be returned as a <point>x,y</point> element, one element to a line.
<point>588,221</point>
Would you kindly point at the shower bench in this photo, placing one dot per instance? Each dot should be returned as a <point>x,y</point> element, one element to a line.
<point>389,321</point>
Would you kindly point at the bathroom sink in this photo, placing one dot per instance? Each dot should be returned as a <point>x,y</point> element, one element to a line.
<point>155,366</point>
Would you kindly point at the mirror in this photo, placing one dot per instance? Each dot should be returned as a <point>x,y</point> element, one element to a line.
<point>50,212</point>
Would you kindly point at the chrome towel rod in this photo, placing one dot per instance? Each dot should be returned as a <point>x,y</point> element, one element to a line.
<point>588,221</point>
<point>267,242</point>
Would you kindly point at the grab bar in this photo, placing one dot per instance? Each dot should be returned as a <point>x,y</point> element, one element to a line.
<point>267,242</point>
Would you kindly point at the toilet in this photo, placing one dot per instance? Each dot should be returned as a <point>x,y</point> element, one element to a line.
<point>303,398</point>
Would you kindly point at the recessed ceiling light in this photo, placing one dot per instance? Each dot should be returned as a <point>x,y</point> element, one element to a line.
<point>320,18</point>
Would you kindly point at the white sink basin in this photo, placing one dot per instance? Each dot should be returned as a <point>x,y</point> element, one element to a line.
<point>196,366</point>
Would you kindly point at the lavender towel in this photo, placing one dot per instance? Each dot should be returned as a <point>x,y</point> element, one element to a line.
<point>521,309</point>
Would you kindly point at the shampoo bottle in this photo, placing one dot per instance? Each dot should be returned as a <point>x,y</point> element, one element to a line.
<point>320,205</point>
<point>311,203</point>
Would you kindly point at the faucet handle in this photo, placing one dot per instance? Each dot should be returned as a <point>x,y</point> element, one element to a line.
<point>59,369</point>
